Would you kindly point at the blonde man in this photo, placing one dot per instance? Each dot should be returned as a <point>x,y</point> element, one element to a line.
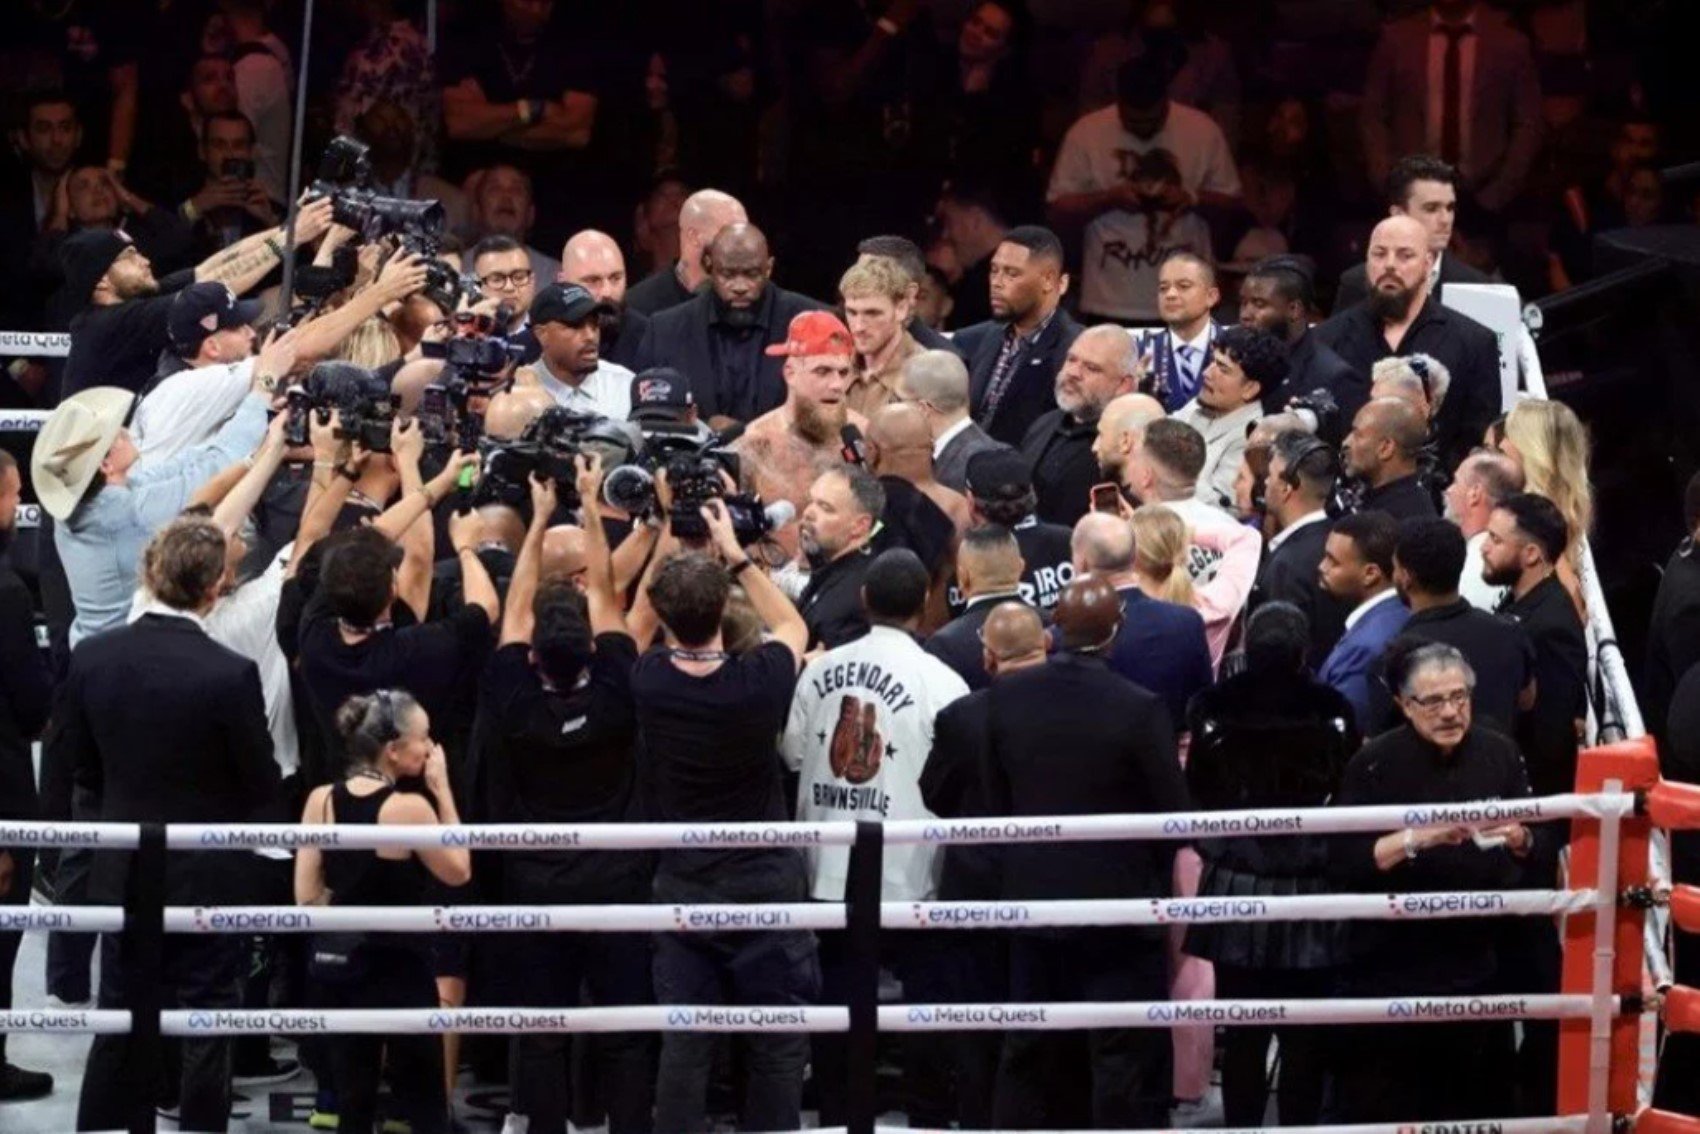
<point>877,308</point>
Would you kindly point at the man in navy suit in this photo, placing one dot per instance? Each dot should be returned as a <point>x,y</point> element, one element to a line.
<point>1161,645</point>
<point>1186,293</point>
<point>1013,358</point>
<point>1357,569</point>
<point>988,571</point>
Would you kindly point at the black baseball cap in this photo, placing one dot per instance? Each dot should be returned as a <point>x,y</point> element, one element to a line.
<point>203,308</point>
<point>85,257</point>
<point>999,474</point>
<point>565,303</point>
<point>661,394</point>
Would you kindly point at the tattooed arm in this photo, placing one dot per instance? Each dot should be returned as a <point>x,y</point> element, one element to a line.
<point>248,261</point>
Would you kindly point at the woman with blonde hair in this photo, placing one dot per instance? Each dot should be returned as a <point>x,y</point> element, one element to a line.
<point>1551,445</point>
<point>1162,553</point>
<point>372,344</point>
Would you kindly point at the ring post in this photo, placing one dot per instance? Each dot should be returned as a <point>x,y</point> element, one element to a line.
<point>1633,764</point>
<point>144,951</point>
<point>862,941</point>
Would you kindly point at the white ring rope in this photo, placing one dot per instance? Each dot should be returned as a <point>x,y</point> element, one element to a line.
<point>807,1018</point>
<point>808,915</point>
<point>1575,1124</point>
<point>689,836</point>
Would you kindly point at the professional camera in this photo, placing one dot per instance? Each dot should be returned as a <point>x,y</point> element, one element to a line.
<point>475,350</point>
<point>366,409</point>
<point>1324,412</point>
<point>345,176</point>
<point>695,463</point>
<point>547,448</point>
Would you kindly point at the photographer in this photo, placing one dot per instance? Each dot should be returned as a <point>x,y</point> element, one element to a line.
<point>231,203</point>
<point>121,326</point>
<point>709,721</point>
<point>559,727</point>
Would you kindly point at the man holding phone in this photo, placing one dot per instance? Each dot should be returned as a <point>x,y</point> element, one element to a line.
<point>232,203</point>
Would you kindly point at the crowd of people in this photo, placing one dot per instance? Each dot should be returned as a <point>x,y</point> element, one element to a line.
<point>983,519</point>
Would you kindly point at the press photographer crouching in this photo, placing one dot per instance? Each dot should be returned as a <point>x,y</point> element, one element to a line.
<point>558,728</point>
<point>397,776</point>
<point>710,721</point>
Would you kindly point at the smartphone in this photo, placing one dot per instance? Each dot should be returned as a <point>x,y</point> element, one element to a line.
<point>238,169</point>
<point>1107,497</point>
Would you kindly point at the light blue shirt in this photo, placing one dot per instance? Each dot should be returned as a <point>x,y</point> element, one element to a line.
<point>101,544</point>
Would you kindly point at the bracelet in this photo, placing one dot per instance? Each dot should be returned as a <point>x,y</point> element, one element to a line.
<point>743,565</point>
<point>274,246</point>
<point>1410,844</point>
<point>346,473</point>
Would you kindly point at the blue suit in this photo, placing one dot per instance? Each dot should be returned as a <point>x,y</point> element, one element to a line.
<point>1164,380</point>
<point>1352,663</point>
<point>1162,647</point>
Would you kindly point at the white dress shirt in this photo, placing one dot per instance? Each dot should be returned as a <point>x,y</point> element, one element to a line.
<point>607,390</point>
<point>1368,604</point>
<point>949,435</point>
<point>1304,521</point>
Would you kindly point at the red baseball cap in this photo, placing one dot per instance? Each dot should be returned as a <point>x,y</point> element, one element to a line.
<point>815,332</point>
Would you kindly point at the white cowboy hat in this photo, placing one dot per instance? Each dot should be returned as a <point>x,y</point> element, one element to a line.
<point>70,447</point>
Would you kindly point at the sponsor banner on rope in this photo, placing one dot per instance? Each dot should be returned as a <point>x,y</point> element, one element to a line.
<point>60,835</point>
<point>259,1021</point>
<point>1215,1012</point>
<point>969,915</point>
<point>946,1017</point>
<point>58,1020</point>
<point>1454,1128</point>
<point>775,836</point>
<point>755,1019</point>
<point>491,921</point>
<point>715,918</point>
<point>260,920</point>
<point>261,838</point>
<point>1437,905</point>
<point>52,919</point>
<point>1263,823</point>
<point>983,831</point>
<point>35,344</point>
<point>1485,811</point>
<point>1475,1008</point>
<point>1194,910</point>
<point>509,838</point>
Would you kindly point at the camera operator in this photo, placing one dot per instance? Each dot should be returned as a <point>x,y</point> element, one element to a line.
<point>504,271</point>
<point>838,527</point>
<point>559,727</point>
<point>232,203</point>
<point>709,722</point>
<point>121,328</point>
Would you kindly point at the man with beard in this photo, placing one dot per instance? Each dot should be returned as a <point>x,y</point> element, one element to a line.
<point>1102,364</point>
<point>594,262</point>
<point>567,321</point>
<point>838,524</point>
<point>877,308</point>
<point>784,451</point>
<point>1401,316</point>
<point>701,218</point>
<point>1120,430</point>
<point>1425,189</point>
<point>117,340</point>
<point>1381,451</point>
<point>718,338</point>
<point>1014,356</point>
<point>1482,483</point>
<point>503,205</point>
<point>1278,296</point>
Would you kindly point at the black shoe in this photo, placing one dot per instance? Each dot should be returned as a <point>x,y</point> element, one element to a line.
<point>18,1085</point>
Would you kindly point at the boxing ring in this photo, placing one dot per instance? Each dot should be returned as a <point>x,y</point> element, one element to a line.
<point>1619,801</point>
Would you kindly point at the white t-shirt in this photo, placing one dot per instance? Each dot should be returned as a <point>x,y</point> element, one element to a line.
<point>607,390</point>
<point>860,731</point>
<point>1097,153</point>
<point>188,408</point>
<point>1122,255</point>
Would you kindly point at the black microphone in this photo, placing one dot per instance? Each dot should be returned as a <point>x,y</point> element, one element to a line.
<point>855,451</point>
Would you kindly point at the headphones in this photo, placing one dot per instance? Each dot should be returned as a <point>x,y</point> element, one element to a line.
<point>1308,448</point>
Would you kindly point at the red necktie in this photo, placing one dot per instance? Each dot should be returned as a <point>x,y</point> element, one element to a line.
<point>1452,94</point>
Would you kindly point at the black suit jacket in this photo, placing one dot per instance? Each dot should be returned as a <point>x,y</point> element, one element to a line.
<point>26,689</point>
<point>929,338</point>
<point>1468,350</point>
<point>1289,574</point>
<point>680,337</point>
<point>1059,451</point>
<point>1032,389</point>
<point>1354,281</point>
<point>1120,756</point>
<point>161,724</point>
<point>621,341</point>
<point>953,786</point>
<point>950,467</point>
<point>1313,365</point>
<point>1673,639</point>
<point>957,642</point>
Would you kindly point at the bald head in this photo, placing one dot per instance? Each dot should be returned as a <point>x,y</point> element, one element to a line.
<point>738,240</point>
<point>503,525</point>
<point>1088,614</point>
<point>899,428</point>
<point>1386,439</point>
<point>592,260</point>
<point>563,554</point>
<point>1132,411</point>
<point>512,410</point>
<point>1102,545</point>
<point>701,218</point>
<point>410,381</point>
<point>1397,264</point>
<point>1013,637</point>
<point>1119,430</point>
<point>1400,231</point>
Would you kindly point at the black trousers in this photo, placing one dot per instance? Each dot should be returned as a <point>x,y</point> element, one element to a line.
<point>397,978</point>
<point>17,894</point>
<point>921,963</point>
<point>1417,1072</point>
<point>1245,1049</point>
<point>1132,1068</point>
<point>616,970</point>
<point>69,955</point>
<point>1677,1087</point>
<point>976,972</point>
<point>199,972</point>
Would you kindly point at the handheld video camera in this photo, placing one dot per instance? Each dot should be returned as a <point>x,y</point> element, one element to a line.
<point>362,400</point>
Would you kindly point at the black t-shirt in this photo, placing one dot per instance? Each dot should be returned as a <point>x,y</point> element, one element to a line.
<point>565,757</point>
<point>431,661</point>
<point>710,755</point>
<point>1048,567</point>
<point>832,602</point>
<point>119,345</point>
<point>506,72</point>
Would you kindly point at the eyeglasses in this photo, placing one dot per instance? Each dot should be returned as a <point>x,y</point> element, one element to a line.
<point>504,280</point>
<point>1456,699</point>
